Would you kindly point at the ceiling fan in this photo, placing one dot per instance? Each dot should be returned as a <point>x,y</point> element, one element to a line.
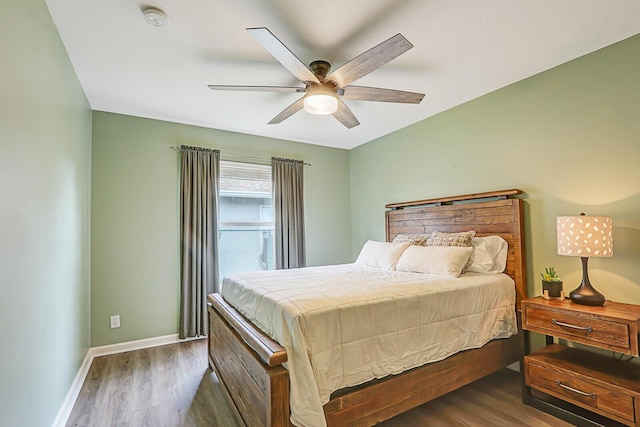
<point>323,91</point>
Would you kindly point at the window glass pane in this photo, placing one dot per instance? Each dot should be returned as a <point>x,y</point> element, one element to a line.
<point>246,218</point>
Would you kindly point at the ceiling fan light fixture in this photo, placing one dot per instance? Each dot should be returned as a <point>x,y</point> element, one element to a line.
<point>324,91</point>
<point>320,100</point>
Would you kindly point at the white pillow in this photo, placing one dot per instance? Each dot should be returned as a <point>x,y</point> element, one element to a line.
<point>381,254</point>
<point>489,255</point>
<point>441,260</point>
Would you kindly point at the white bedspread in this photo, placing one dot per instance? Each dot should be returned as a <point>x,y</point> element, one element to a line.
<point>343,325</point>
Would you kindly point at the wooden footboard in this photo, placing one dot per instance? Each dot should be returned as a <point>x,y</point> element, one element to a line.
<point>259,391</point>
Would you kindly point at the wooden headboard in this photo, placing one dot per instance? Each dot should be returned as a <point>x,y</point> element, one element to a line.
<point>492,213</point>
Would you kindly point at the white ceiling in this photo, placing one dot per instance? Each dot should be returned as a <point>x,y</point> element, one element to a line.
<point>462,49</point>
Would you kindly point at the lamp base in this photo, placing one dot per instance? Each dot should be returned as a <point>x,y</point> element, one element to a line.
<point>586,295</point>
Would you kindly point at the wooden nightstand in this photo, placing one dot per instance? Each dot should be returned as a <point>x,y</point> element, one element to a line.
<point>581,386</point>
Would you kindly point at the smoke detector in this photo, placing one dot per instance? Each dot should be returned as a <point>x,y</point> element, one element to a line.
<point>155,17</point>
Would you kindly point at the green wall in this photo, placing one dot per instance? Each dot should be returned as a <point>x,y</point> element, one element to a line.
<point>135,216</point>
<point>568,137</point>
<point>89,212</point>
<point>45,172</point>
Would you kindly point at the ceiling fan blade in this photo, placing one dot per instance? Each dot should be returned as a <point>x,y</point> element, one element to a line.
<point>370,60</point>
<point>282,53</point>
<point>288,112</point>
<point>345,116</point>
<point>259,88</point>
<point>378,94</point>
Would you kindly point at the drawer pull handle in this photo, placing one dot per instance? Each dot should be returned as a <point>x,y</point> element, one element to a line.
<point>567,325</point>
<point>580,392</point>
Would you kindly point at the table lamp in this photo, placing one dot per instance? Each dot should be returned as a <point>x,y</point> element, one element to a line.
<point>585,236</point>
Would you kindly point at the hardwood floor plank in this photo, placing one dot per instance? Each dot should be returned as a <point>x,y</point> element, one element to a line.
<point>211,390</point>
<point>146,393</point>
<point>168,386</point>
<point>148,417</point>
<point>173,386</point>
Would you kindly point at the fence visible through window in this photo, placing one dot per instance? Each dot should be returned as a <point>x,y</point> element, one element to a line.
<point>246,219</point>
<point>245,248</point>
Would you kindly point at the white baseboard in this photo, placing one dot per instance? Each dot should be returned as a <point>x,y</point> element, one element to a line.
<point>67,405</point>
<point>134,345</point>
<point>70,400</point>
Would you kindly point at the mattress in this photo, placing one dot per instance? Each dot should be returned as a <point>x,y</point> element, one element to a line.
<point>344,325</point>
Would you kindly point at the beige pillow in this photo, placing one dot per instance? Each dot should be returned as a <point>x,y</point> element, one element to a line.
<point>413,239</point>
<point>462,238</point>
<point>381,254</point>
<point>441,260</point>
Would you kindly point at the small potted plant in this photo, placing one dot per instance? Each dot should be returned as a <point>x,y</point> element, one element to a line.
<point>551,283</point>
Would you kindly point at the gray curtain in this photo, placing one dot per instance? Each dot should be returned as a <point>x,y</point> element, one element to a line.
<point>289,212</point>
<point>199,177</point>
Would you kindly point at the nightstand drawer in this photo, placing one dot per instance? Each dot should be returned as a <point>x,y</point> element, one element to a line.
<point>578,327</point>
<point>579,390</point>
<point>578,384</point>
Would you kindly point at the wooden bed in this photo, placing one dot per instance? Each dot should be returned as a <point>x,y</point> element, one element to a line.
<point>249,363</point>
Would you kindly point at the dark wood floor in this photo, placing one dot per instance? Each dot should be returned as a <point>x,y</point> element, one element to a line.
<point>172,386</point>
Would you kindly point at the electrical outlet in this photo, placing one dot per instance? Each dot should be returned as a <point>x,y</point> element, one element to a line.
<point>115,321</point>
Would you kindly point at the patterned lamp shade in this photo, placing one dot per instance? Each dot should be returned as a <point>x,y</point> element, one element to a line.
<point>585,236</point>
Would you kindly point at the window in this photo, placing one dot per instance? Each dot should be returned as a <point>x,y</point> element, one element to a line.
<point>246,218</point>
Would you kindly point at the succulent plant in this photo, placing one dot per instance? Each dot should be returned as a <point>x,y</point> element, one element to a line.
<point>549,275</point>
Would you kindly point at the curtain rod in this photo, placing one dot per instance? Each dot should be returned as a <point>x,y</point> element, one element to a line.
<point>237,156</point>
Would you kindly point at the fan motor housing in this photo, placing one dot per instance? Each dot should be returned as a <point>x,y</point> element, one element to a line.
<point>320,68</point>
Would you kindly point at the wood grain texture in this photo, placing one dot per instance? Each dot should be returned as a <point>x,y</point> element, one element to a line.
<point>502,217</point>
<point>269,351</point>
<point>383,399</point>
<point>611,387</point>
<point>365,405</point>
<point>345,115</point>
<point>162,386</point>
<point>173,402</point>
<point>369,61</point>
<point>282,53</point>
<point>363,93</point>
<point>288,112</point>
<point>613,326</point>
<point>489,402</point>
<point>284,89</point>
<point>450,199</point>
<point>261,393</point>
